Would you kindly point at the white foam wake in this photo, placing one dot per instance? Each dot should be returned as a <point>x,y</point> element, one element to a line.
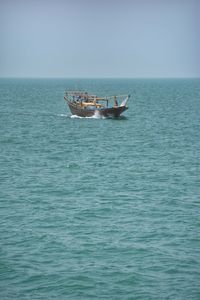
<point>63,115</point>
<point>76,117</point>
<point>96,115</point>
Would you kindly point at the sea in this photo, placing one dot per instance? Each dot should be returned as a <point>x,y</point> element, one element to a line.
<point>94,208</point>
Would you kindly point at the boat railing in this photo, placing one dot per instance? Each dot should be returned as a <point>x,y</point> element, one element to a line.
<point>78,97</point>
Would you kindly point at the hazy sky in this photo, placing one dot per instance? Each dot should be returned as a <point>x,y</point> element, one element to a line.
<point>99,38</point>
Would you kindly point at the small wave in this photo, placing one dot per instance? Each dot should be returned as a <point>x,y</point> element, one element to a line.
<point>72,165</point>
<point>63,115</point>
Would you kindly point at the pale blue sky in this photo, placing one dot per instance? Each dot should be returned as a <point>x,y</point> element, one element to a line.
<point>99,38</point>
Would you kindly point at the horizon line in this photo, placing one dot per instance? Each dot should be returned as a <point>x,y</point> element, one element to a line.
<point>109,77</point>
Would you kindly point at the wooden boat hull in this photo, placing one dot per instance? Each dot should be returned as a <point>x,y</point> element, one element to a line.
<point>112,112</point>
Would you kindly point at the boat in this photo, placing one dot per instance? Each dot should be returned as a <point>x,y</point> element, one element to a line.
<point>83,104</point>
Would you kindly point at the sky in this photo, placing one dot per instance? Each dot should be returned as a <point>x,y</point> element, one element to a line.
<point>100,38</point>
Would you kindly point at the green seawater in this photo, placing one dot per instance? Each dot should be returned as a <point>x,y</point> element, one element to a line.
<point>100,208</point>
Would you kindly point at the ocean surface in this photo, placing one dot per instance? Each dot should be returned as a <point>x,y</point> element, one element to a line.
<point>100,208</point>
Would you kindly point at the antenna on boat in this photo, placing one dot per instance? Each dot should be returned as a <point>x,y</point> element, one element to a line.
<point>115,101</point>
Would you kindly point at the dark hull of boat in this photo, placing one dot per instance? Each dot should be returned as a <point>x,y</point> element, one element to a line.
<point>113,112</point>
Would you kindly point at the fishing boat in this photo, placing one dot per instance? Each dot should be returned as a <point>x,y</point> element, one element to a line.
<point>83,104</point>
